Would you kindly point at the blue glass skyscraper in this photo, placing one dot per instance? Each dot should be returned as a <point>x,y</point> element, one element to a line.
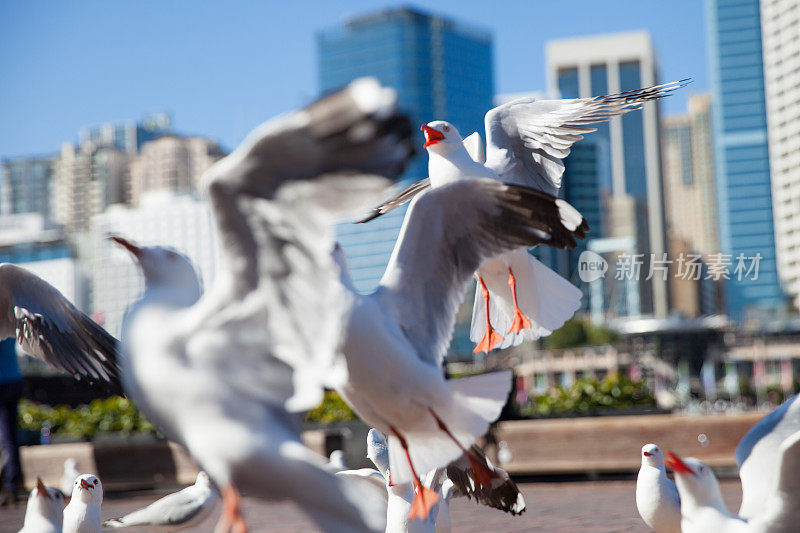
<point>442,70</point>
<point>741,151</point>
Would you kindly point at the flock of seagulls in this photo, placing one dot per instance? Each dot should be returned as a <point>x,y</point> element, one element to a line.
<point>228,372</point>
<point>768,457</point>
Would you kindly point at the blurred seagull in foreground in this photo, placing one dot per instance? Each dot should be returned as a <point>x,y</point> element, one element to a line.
<point>180,510</point>
<point>44,513</point>
<point>48,327</point>
<point>657,498</point>
<point>225,374</point>
<point>519,298</point>
<point>82,514</point>
<point>395,339</point>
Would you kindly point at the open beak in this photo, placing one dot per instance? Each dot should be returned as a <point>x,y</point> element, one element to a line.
<point>677,465</point>
<point>432,136</point>
<point>40,488</point>
<point>132,248</point>
<point>647,454</point>
<point>85,485</point>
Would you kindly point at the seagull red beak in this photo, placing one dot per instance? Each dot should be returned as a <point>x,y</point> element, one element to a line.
<point>85,485</point>
<point>41,489</point>
<point>432,136</point>
<point>647,454</point>
<point>132,248</point>
<point>677,465</point>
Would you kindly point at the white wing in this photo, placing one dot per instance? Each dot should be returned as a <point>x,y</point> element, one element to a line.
<point>757,455</point>
<point>447,233</point>
<point>474,146</point>
<point>273,307</point>
<point>50,328</point>
<point>526,139</point>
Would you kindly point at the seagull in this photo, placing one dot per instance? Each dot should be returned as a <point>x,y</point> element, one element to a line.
<point>225,373</point>
<point>657,498</point>
<point>180,510</point>
<point>71,472</point>
<point>47,326</point>
<point>526,140</point>
<point>82,514</point>
<point>336,462</point>
<point>44,511</point>
<point>757,455</point>
<point>702,507</point>
<point>395,339</point>
<point>399,497</point>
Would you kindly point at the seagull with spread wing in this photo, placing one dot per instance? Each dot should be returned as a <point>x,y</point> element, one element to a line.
<point>226,372</point>
<point>526,140</point>
<point>395,339</point>
<point>48,327</point>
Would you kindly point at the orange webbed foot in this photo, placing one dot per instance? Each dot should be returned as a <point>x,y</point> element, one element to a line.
<point>520,322</point>
<point>424,500</point>
<point>489,341</point>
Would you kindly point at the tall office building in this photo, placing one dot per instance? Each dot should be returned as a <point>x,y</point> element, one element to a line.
<point>25,185</point>
<point>780,20</point>
<point>595,65</point>
<point>442,69</point>
<point>741,152</point>
<point>689,185</point>
<point>171,163</point>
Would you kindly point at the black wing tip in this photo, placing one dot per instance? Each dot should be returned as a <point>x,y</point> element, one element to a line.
<point>372,216</point>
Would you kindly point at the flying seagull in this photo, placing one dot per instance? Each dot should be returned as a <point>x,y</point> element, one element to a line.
<point>526,141</point>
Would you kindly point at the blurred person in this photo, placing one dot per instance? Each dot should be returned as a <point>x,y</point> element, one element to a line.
<point>10,393</point>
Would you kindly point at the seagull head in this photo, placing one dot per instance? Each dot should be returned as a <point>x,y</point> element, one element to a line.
<point>695,480</point>
<point>651,455</point>
<point>441,137</point>
<point>164,268</point>
<point>378,451</point>
<point>88,490</point>
<point>47,501</point>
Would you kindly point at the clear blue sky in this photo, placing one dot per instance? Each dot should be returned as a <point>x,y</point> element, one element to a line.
<point>221,68</point>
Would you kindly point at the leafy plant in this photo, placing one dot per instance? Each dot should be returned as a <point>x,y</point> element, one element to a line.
<point>111,415</point>
<point>588,395</point>
<point>332,409</point>
<point>580,332</point>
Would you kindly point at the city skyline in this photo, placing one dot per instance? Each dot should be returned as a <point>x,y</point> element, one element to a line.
<point>61,81</point>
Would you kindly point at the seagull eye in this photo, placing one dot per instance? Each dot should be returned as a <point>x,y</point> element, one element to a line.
<point>445,128</point>
<point>95,482</point>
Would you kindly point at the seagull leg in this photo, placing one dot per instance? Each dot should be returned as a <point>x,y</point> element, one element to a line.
<point>520,321</point>
<point>491,338</point>
<point>231,518</point>
<point>483,474</point>
<point>424,498</point>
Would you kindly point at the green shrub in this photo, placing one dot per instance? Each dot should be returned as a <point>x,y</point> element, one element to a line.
<point>332,409</point>
<point>579,331</point>
<point>111,415</point>
<point>588,395</point>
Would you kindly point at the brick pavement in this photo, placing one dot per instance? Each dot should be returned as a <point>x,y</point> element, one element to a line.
<point>570,507</point>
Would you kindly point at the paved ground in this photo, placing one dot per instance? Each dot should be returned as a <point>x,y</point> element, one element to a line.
<point>593,506</point>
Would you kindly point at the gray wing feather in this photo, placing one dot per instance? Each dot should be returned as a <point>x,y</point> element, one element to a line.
<point>527,139</point>
<point>396,200</point>
<point>447,233</point>
<point>50,328</point>
<point>503,494</point>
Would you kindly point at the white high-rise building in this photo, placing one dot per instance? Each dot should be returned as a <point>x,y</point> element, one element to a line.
<point>780,25</point>
<point>171,163</point>
<point>586,66</point>
<point>162,218</point>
